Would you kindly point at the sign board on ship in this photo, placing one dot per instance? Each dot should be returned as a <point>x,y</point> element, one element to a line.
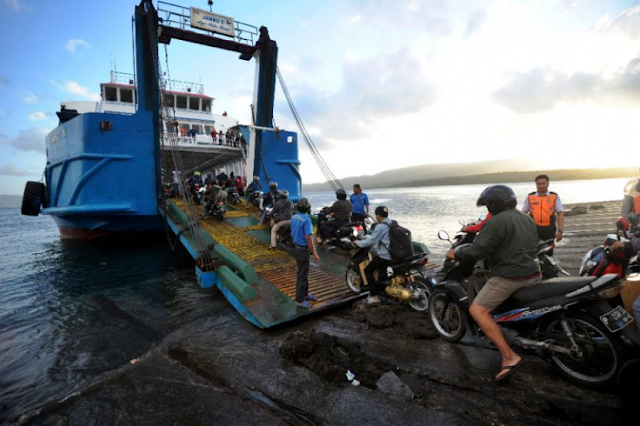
<point>212,22</point>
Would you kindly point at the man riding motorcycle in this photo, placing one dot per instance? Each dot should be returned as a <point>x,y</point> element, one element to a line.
<point>379,240</point>
<point>269,200</point>
<point>631,248</point>
<point>254,186</point>
<point>281,215</point>
<point>340,211</point>
<point>212,195</point>
<point>510,242</point>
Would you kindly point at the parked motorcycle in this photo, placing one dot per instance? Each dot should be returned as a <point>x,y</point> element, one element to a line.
<point>566,320</point>
<point>403,281</point>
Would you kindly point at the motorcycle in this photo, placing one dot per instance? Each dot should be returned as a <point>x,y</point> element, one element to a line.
<point>218,210</point>
<point>256,199</point>
<point>284,233</point>
<point>566,320</point>
<point>549,265</point>
<point>198,194</point>
<point>343,236</point>
<point>232,195</point>
<point>403,281</point>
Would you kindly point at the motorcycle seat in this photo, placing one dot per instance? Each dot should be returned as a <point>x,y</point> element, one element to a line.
<point>401,265</point>
<point>551,287</point>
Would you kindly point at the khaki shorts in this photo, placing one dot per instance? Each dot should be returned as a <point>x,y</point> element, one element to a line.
<point>498,289</point>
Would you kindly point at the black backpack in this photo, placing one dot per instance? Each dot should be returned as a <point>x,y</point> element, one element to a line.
<point>400,247</point>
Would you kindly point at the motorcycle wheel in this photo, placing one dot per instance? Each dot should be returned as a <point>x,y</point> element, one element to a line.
<point>354,281</point>
<point>220,218</point>
<point>449,323</point>
<point>602,354</point>
<point>421,304</point>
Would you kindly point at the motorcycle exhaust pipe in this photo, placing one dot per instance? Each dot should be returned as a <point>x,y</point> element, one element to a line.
<point>534,344</point>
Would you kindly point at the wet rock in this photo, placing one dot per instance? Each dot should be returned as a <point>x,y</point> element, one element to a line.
<point>330,357</point>
<point>390,383</point>
<point>597,207</point>
<point>577,210</point>
<point>421,329</point>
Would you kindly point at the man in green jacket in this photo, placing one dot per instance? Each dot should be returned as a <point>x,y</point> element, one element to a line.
<point>509,241</point>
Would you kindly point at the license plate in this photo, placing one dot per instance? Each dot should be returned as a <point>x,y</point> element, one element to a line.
<point>616,319</point>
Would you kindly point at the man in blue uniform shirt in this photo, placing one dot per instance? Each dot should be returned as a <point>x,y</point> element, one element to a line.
<point>359,205</point>
<point>301,233</point>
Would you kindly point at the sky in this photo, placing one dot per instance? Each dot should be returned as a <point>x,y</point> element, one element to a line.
<point>379,84</point>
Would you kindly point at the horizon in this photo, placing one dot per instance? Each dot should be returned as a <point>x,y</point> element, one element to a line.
<point>552,82</point>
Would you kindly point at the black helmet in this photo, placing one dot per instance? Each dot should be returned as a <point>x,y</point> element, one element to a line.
<point>341,194</point>
<point>497,198</point>
<point>273,185</point>
<point>303,205</point>
<point>283,194</point>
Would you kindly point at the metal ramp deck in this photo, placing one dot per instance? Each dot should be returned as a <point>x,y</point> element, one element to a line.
<point>271,298</point>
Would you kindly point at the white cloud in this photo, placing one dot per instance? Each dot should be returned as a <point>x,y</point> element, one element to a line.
<point>356,19</point>
<point>74,88</point>
<point>12,170</point>
<point>73,44</point>
<point>27,140</point>
<point>30,98</point>
<point>38,116</point>
<point>628,23</point>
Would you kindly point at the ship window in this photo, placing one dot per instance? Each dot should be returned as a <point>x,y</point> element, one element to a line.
<point>169,100</point>
<point>289,139</point>
<point>170,127</point>
<point>206,105</point>
<point>126,95</point>
<point>197,127</point>
<point>194,104</point>
<point>208,130</point>
<point>110,94</point>
<point>182,102</point>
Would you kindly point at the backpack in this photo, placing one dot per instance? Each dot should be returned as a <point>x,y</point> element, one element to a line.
<point>401,246</point>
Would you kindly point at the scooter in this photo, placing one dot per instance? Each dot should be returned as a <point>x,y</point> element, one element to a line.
<point>403,280</point>
<point>565,320</point>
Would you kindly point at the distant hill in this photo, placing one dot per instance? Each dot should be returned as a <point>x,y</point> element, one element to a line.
<point>529,176</point>
<point>7,201</point>
<point>461,173</point>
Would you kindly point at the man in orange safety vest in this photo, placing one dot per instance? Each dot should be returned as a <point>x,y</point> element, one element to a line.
<point>544,207</point>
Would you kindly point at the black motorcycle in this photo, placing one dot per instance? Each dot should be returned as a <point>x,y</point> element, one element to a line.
<point>343,236</point>
<point>566,320</point>
<point>404,280</point>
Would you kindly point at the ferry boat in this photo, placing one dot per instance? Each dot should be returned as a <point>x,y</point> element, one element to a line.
<point>107,161</point>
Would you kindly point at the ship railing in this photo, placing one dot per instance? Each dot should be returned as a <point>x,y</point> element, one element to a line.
<point>118,77</point>
<point>176,16</point>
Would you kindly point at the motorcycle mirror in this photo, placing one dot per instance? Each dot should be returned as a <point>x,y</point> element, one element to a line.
<point>443,235</point>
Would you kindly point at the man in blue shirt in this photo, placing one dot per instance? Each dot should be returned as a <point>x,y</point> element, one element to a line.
<point>301,233</point>
<point>359,205</point>
<point>379,242</point>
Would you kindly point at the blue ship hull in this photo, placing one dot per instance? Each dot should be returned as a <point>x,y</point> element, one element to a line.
<point>103,181</point>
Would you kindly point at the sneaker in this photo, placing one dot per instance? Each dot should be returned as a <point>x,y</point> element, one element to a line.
<point>271,248</point>
<point>311,298</point>
<point>304,304</point>
<point>373,300</point>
